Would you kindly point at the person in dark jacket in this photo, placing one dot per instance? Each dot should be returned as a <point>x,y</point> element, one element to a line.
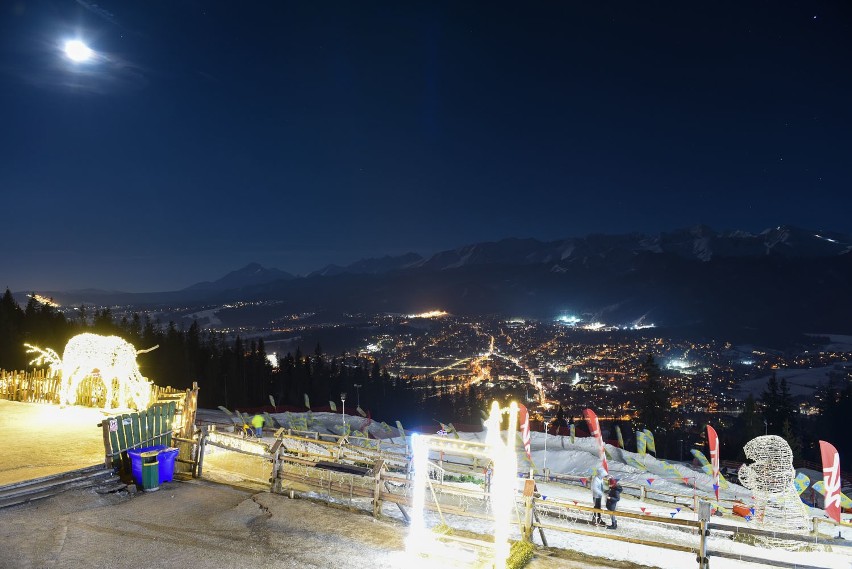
<point>612,498</point>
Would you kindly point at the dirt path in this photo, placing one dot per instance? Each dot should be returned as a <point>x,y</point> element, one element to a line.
<point>202,525</point>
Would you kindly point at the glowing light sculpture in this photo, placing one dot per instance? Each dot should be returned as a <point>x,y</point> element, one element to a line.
<point>419,539</point>
<point>503,480</point>
<point>770,477</point>
<point>502,454</point>
<point>111,358</point>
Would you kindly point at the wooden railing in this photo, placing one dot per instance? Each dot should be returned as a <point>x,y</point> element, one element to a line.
<point>327,468</point>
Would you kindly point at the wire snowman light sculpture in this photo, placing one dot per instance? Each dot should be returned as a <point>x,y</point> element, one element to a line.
<point>770,477</point>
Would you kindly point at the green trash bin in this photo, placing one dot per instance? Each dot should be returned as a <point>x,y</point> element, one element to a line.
<point>150,471</point>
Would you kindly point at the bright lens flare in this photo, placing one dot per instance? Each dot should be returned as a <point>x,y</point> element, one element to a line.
<point>77,51</point>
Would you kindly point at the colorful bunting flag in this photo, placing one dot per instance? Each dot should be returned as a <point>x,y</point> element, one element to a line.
<point>649,438</point>
<point>641,442</point>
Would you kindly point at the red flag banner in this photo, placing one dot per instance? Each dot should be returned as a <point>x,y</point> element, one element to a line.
<point>831,479</point>
<point>595,430</point>
<point>713,444</point>
<point>524,419</point>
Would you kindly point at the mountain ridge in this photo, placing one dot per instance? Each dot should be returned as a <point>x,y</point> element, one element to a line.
<point>781,279</point>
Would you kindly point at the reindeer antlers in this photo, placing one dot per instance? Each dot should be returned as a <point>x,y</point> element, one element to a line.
<point>47,356</point>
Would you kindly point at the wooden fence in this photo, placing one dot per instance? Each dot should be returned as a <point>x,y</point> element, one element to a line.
<point>151,427</point>
<point>37,386</point>
<point>342,469</point>
<point>30,386</point>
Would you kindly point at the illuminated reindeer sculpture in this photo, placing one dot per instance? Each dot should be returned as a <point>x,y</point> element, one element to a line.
<point>110,357</point>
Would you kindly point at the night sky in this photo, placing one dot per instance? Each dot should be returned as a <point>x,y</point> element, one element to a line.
<point>203,136</point>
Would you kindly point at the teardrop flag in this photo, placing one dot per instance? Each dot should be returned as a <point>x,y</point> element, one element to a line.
<point>595,430</point>
<point>713,444</point>
<point>831,479</point>
<point>524,419</point>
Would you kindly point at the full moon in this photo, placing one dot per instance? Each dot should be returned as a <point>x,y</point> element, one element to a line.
<point>78,51</point>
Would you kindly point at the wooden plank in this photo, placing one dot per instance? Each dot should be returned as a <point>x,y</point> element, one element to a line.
<point>761,560</point>
<point>137,433</point>
<point>143,428</point>
<point>110,442</point>
<point>170,413</point>
<point>617,537</point>
<point>809,539</point>
<point>126,438</point>
<point>571,506</point>
<point>149,425</point>
<point>157,416</point>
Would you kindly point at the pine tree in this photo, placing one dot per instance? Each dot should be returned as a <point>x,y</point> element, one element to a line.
<point>794,440</point>
<point>12,354</point>
<point>770,399</point>
<point>654,408</point>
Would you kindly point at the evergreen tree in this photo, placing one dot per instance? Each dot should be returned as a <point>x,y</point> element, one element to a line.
<point>654,408</point>
<point>12,353</point>
<point>778,406</point>
<point>770,400</point>
<point>792,438</point>
<point>750,421</point>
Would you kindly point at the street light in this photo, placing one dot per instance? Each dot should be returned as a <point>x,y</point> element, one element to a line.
<point>343,410</point>
<point>358,393</point>
<point>546,422</point>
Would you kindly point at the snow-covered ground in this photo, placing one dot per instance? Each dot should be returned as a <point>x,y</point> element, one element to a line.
<point>39,440</point>
<point>633,471</point>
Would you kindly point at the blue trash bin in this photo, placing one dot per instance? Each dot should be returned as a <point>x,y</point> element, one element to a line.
<point>135,455</point>
<point>167,464</point>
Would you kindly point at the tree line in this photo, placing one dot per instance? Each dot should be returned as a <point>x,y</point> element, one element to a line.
<point>774,412</point>
<point>236,373</point>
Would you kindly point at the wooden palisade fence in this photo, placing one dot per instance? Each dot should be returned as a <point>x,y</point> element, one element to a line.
<point>30,386</point>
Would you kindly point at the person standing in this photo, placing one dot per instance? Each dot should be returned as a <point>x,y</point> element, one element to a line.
<point>257,422</point>
<point>597,496</point>
<point>613,496</point>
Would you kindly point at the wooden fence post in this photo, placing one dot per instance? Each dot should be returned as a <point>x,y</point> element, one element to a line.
<point>526,520</point>
<point>703,518</point>
<point>201,444</point>
<point>378,466</point>
<point>275,479</point>
<point>107,443</point>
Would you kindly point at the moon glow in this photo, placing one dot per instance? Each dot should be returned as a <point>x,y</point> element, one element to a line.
<point>77,51</point>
